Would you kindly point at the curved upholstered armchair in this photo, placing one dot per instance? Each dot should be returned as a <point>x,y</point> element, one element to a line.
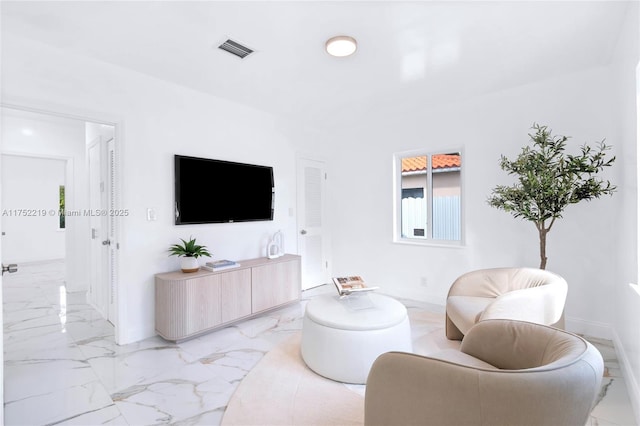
<point>526,294</point>
<point>507,372</point>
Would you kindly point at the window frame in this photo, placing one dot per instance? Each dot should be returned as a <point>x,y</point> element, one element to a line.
<point>397,198</point>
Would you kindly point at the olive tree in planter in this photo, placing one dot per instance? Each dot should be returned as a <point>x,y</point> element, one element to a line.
<point>549,180</point>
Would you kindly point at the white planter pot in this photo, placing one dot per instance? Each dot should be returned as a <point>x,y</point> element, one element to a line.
<point>189,264</point>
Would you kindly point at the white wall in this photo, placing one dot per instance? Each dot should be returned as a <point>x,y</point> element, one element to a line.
<point>30,219</point>
<point>156,120</point>
<point>594,246</point>
<point>577,105</point>
<point>626,300</point>
<point>33,134</point>
<point>94,130</point>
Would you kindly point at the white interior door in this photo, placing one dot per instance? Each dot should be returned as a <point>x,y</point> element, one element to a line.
<point>99,286</point>
<point>1,311</point>
<point>312,241</point>
<point>112,246</point>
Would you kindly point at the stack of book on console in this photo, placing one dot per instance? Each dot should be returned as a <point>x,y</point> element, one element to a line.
<point>219,265</point>
<point>349,285</point>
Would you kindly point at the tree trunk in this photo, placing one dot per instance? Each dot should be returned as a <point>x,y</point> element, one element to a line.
<point>542,232</point>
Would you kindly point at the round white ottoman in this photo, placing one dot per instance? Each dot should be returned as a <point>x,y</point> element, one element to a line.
<point>342,337</point>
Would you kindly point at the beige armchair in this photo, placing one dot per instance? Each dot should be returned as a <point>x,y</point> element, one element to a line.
<point>507,372</point>
<point>526,294</point>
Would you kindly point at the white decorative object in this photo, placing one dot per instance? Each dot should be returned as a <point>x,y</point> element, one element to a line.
<point>275,248</point>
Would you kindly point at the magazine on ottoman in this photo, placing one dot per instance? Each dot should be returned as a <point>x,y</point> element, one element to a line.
<point>351,284</point>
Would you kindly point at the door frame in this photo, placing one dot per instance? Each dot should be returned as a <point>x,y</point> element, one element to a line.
<point>117,123</point>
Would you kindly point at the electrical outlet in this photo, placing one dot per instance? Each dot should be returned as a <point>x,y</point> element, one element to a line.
<point>423,282</point>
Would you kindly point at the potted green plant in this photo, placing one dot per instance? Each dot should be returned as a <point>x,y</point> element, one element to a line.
<point>548,181</point>
<point>190,252</point>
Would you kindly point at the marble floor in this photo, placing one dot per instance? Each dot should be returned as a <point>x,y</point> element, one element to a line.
<point>62,366</point>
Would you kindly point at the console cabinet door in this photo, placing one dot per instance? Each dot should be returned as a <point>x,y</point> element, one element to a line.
<point>274,284</point>
<point>187,306</point>
<point>235,294</point>
<point>205,303</point>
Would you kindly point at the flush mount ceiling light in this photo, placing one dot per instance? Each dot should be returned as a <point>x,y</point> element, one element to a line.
<point>341,46</point>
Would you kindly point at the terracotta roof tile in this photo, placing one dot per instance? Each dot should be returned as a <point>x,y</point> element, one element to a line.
<point>445,161</point>
<point>414,164</point>
<point>440,161</point>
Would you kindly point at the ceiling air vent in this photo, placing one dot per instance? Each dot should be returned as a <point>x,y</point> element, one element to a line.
<point>236,48</point>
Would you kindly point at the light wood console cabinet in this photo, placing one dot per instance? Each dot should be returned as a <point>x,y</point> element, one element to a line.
<point>191,304</point>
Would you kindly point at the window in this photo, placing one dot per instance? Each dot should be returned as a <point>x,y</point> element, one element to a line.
<point>428,200</point>
<point>61,212</point>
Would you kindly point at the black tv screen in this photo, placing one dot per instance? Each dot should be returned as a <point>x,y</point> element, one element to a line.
<point>216,191</point>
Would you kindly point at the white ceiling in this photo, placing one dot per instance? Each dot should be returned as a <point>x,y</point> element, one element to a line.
<point>410,53</point>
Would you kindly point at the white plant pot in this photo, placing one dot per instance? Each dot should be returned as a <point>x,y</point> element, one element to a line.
<point>189,264</point>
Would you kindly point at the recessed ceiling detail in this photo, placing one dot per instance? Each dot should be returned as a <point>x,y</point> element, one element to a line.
<point>236,48</point>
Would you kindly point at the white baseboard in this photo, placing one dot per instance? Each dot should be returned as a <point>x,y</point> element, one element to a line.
<point>589,328</point>
<point>629,378</point>
<point>605,331</point>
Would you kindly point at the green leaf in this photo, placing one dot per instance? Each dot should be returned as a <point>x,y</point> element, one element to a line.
<point>188,249</point>
<point>549,180</point>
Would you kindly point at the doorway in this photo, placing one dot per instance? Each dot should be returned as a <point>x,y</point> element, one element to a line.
<point>30,133</point>
<point>32,190</point>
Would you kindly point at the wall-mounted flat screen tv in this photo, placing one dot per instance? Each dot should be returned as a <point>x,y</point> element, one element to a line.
<point>216,191</point>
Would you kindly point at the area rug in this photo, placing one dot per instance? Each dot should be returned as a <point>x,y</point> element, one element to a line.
<point>282,390</point>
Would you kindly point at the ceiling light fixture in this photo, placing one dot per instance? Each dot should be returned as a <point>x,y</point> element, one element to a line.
<point>341,46</point>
